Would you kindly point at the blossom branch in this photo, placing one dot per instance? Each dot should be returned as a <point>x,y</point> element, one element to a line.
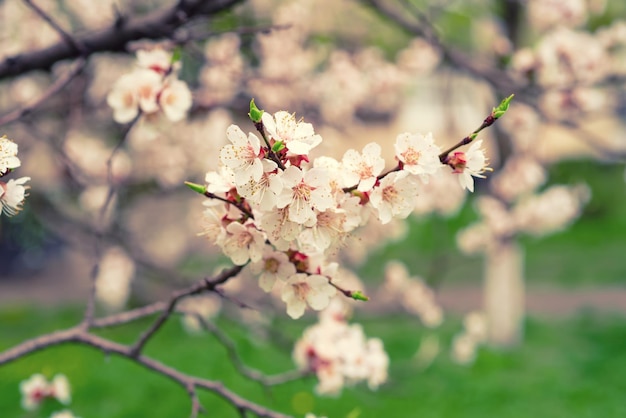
<point>78,335</point>
<point>69,39</point>
<point>161,23</point>
<point>56,87</point>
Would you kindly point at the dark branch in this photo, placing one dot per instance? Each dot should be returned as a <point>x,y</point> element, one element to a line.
<point>156,25</point>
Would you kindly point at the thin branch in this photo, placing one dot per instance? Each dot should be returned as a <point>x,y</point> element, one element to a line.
<point>69,39</point>
<point>157,25</point>
<point>246,371</point>
<point>91,300</point>
<point>78,335</point>
<point>57,86</point>
<point>207,284</point>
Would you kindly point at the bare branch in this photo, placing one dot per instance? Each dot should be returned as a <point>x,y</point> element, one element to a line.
<point>78,335</point>
<point>156,25</point>
<point>246,371</point>
<point>69,39</point>
<point>207,284</point>
<point>57,86</point>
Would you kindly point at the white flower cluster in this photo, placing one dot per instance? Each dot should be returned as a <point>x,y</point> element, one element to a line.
<point>285,214</point>
<point>37,389</point>
<point>544,213</point>
<point>13,192</point>
<point>465,344</point>
<point>150,88</point>
<point>340,354</point>
<point>413,294</point>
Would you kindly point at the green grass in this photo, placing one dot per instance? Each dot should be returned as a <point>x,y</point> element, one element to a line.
<point>567,368</point>
<point>590,252</point>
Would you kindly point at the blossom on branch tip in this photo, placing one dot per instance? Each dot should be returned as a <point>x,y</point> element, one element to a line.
<point>242,155</point>
<point>468,164</point>
<point>298,137</point>
<point>12,195</point>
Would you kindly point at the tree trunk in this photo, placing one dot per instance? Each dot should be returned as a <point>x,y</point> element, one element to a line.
<point>504,294</point>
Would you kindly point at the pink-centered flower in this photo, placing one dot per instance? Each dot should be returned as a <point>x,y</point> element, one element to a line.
<point>395,196</point>
<point>418,154</point>
<point>304,192</point>
<point>263,192</point>
<point>299,137</point>
<point>363,168</point>
<point>242,155</point>
<point>468,164</point>
<point>133,92</point>
<point>175,99</point>
<point>273,266</point>
<point>243,243</point>
<point>302,289</point>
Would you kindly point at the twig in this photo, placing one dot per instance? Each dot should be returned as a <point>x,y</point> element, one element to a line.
<point>78,335</point>
<point>57,86</point>
<point>207,284</point>
<point>156,25</point>
<point>69,39</point>
<point>246,371</point>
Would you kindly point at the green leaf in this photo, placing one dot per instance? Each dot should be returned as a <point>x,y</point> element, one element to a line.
<point>176,55</point>
<point>198,188</point>
<point>358,295</point>
<point>502,107</point>
<point>278,146</point>
<point>255,113</point>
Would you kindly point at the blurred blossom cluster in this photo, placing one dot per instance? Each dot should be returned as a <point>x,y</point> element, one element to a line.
<point>197,309</point>
<point>412,293</point>
<point>572,83</point>
<point>36,389</point>
<point>150,88</point>
<point>113,283</point>
<point>339,353</point>
<point>516,203</point>
<point>466,343</point>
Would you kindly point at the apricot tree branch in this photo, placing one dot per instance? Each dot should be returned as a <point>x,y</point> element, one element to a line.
<point>159,24</point>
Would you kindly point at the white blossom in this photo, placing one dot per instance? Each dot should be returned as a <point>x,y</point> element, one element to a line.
<point>470,164</point>
<point>243,243</point>
<point>304,192</point>
<point>302,289</point>
<point>418,154</point>
<point>175,100</point>
<point>8,155</point>
<point>298,137</point>
<point>242,155</point>
<point>395,196</point>
<point>363,168</point>
<point>12,195</point>
<point>273,266</point>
